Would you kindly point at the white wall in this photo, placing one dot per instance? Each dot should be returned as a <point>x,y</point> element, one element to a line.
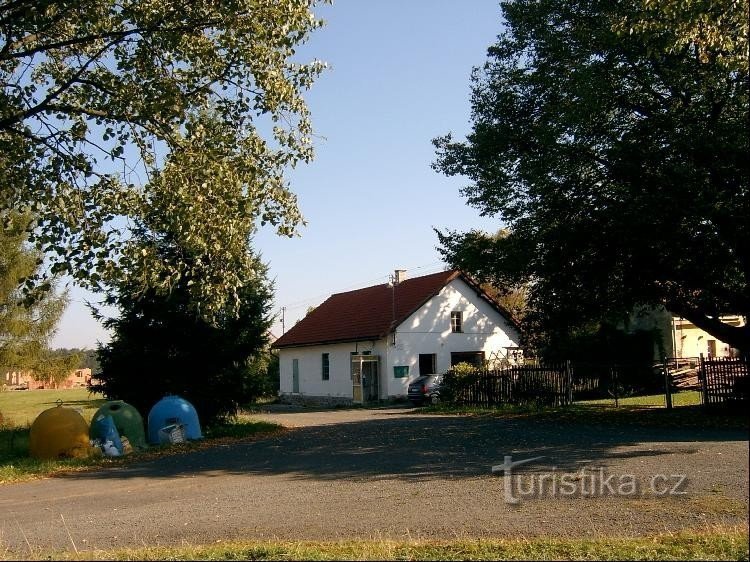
<point>428,330</point>
<point>310,358</point>
<point>691,341</point>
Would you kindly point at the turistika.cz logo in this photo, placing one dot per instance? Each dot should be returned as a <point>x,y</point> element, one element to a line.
<point>587,482</point>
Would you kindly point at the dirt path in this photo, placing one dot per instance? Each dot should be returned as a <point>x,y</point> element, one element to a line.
<point>389,473</point>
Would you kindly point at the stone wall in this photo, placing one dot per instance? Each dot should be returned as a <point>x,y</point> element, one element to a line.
<point>304,400</point>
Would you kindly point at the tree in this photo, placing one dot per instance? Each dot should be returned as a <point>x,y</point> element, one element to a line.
<point>54,368</point>
<point>97,96</point>
<point>160,345</point>
<point>512,297</point>
<point>166,330</point>
<point>86,357</point>
<point>26,324</point>
<point>611,139</point>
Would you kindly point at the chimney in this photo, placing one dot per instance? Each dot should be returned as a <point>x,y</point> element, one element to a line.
<point>399,276</point>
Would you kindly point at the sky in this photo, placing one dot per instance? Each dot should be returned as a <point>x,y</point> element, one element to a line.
<point>399,76</point>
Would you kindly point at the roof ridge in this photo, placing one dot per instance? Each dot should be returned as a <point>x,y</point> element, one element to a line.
<point>407,280</point>
<point>365,313</point>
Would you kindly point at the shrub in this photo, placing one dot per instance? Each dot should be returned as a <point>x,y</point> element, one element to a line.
<point>456,380</point>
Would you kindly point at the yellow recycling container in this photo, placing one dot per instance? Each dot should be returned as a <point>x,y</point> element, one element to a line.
<point>59,433</point>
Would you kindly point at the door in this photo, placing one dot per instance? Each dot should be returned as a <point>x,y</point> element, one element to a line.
<point>712,348</point>
<point>295,376</point>
<point>370,381</point>
<point>357,382</point>
<point>365,380</point>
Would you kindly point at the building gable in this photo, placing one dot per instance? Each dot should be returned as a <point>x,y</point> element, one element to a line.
<point>374,312</point>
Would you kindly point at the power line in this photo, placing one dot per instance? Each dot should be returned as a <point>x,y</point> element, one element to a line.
<point>385,278</point>
<point>298,304</point>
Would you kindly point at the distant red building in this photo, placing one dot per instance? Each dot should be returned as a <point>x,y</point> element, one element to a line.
<point>23,379</point>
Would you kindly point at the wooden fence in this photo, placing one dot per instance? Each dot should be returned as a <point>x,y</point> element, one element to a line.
<point>549,385</point>
<point>724,380</point>
<point>721,381</point>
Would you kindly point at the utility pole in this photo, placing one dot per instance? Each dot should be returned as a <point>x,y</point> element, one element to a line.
<point>393,298</point>
<point>393,306</point>
<point>283,330</point>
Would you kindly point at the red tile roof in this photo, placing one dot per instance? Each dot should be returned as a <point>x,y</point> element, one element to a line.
<point>368,314</point>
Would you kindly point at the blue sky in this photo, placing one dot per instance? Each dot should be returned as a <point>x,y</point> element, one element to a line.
<point>398,77</point>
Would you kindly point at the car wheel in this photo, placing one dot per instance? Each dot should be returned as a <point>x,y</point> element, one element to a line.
<point>416,402</point>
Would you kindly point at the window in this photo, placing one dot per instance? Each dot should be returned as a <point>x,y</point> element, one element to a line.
<point>475,358</point>
<point>457,322</point>
<point>295,376</point>
<point>326,367</point>
<point>400,371</point>
<point>427,363</point>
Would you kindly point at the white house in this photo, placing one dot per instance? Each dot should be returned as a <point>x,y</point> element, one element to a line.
<point>690,341</point>
<point>368,344</point>
<point>680,337</point>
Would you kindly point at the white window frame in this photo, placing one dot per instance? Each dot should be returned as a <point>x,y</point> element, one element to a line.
<point>457,322</point>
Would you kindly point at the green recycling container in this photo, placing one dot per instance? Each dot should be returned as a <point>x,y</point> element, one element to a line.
<point>128,422</point>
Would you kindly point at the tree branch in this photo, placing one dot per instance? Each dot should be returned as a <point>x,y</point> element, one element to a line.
<point>736,336</point>
<point>116,35</point>
<point>44,104</point>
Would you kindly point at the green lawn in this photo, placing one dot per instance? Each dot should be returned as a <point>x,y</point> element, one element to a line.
<point>21,407</point>
<point>632,411</point>
<point>685,398</point>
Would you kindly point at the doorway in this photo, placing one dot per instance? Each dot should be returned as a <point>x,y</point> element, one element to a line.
<point>365,378</point>
<point>427,363</point>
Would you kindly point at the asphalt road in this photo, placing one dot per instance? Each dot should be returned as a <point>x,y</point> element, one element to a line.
<point>392,473</point>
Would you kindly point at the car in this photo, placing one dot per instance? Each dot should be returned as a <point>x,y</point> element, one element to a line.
<point>425,389</point>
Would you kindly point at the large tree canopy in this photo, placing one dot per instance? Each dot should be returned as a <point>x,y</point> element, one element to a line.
<point>611,139</point>
<point>165,335</point>
<point>98,97</point>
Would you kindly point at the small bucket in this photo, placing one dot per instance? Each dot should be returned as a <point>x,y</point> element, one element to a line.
<point>174,433</point>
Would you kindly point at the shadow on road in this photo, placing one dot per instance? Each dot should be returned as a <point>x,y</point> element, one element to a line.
<point>411,447</point>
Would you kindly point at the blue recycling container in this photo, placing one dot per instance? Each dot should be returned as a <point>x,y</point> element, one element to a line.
<point>169,411</point>
<point>103,427</point>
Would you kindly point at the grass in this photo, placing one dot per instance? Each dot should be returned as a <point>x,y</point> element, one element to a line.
<point>713,544</point>
<point>685,398</point>
<point>20,408</point>
<point>633,411</point>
